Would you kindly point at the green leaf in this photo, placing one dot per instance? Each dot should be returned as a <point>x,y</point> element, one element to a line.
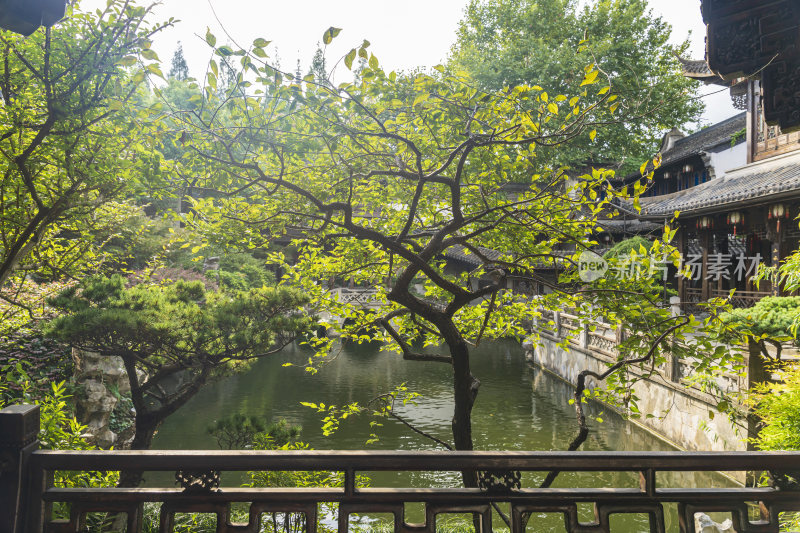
<point>210,39</point>
<point>330,34</point>
<point>373,61</point>
<point>127,61</point>
<point>225,51</point>
<point>261,43</point>
<point>590,78</point>
<point>149,54</point>
<point>348,59</point>
<point>153,69</point>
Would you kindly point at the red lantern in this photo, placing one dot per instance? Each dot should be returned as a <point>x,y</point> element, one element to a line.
<point>705,223</point>
<point>735,218</point>
<point>778,211</point>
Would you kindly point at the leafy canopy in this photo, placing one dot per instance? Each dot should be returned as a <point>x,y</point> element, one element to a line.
<point>379,180</point>
<point>505,43</point>
<point>69,152</point>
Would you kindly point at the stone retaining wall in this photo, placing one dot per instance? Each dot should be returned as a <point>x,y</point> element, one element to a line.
<point>681,413</point>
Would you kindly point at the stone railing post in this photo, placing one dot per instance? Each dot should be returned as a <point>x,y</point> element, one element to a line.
<point>672,367</point>
<point>19,431</point>
<point>584,335</point>
<point>557,323</point>
<point>621,334</point>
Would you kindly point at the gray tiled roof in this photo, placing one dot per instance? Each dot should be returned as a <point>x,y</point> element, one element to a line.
<point>695,67</point>
<point>459,253</point>
<point>619,226</point>
<point>705,139</point>
<point>752,184</point>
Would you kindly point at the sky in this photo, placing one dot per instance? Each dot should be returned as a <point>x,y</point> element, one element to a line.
<point>403,35</point>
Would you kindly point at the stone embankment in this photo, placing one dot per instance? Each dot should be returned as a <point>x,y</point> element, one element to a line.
<point>683,415</point>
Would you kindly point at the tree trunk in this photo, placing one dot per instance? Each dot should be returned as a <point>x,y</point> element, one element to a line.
<point>145,431</point>
<point>465,390</point>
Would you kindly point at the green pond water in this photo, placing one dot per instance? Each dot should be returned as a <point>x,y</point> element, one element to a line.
<point>519,407</point>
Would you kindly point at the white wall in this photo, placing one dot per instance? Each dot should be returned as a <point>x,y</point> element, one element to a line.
<point>727,158</point>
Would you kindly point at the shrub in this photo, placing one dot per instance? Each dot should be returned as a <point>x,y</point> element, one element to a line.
<point>777,405</point>
<point>26,352</point>
<point>771,317</point>
<point>241,272</point>
<point>59,430</point>
<point>624,248</point>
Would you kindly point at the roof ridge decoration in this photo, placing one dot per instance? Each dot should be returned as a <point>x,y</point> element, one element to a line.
<point>704,139</point>
<point>698,69</point>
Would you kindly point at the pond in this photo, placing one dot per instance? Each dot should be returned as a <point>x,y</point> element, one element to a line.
<point>519,407</point>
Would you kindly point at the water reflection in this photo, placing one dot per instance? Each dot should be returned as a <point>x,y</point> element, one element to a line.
<point>518,408</point>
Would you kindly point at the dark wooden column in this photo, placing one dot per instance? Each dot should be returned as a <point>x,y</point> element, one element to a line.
<point>19,431</point>
<point>705,244</point>
<point>777,253</point>
<point>681,245</point>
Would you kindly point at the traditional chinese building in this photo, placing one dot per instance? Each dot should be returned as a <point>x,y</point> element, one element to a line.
<point>736,189</point>
<point>736,185</point>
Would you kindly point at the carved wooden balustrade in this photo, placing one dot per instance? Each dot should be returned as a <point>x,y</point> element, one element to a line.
<point>741,299</point>
<point>27,493</point>
<point>692,299</point>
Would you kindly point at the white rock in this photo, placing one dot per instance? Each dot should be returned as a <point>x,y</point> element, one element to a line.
<point>704,524</point>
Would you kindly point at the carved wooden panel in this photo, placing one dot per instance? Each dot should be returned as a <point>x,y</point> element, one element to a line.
<point>760,39</point>
<point>769,140</point>
<point>781,87</point>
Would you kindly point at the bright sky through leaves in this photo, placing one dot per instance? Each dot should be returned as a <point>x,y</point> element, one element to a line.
<point>403,35</point>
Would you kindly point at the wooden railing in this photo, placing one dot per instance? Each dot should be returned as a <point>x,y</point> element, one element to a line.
<point>741,299</point>
<point>692,298</point>
<point>27,493</point>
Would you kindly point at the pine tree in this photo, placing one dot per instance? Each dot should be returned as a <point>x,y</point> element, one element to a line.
<point>298,72</point>
<point>179,69</point>
<point>319,67</point>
